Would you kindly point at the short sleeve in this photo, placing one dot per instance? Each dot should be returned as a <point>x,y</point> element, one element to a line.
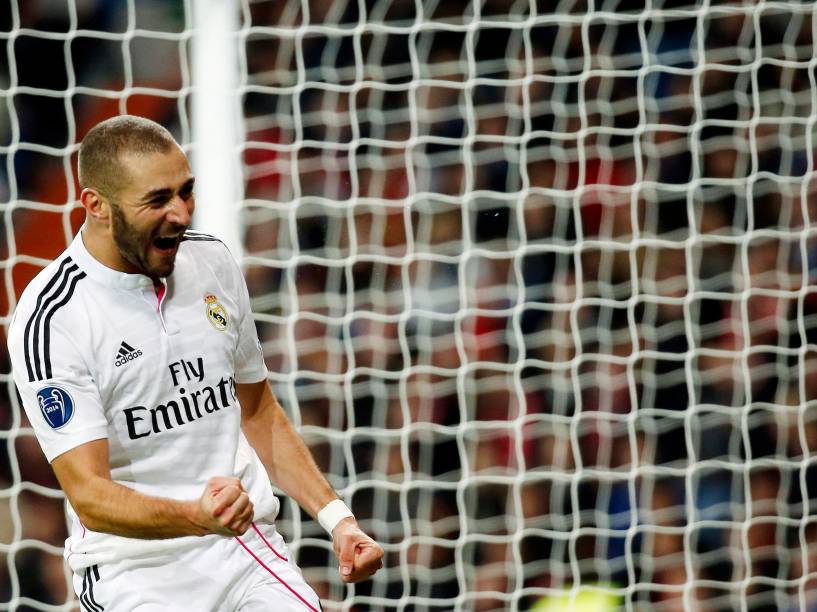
<point>249,359</point>
<point>58,392</point>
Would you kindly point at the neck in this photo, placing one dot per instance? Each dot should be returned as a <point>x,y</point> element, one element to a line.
<point>99,243</point>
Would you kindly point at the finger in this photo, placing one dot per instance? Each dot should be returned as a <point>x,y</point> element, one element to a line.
<point>241,529</point>
<point>222,502</point>
<point>225,499</point>
<point>358,575</point>
<point>236,512</point>
<point>242,526</point>
<point>346,556</point>
<point>243,513</point>
<point>362,571</point>
<point>249,512</point>
<point>217,483</point>
<point>367,552</point>
<point>243,508</point>
<point>369,568</point>
<point>369,560</point>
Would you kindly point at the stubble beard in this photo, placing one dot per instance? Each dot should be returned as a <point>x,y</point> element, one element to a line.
<point>133,247</point>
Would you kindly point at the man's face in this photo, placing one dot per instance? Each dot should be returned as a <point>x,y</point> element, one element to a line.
<point>151,211</point>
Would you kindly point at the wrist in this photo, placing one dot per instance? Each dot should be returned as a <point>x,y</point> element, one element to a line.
<point>196,518</point>
<point>332,514</point>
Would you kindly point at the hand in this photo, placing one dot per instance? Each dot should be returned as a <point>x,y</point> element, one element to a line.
<point>224,507</point>
<point>360,556</point>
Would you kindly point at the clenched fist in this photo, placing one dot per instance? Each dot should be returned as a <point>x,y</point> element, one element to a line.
<point>359,555</point>
<point>224,507</point>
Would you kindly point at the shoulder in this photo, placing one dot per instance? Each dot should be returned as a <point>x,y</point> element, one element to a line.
<point>204,258</point>
<point>206,250</point>
<point>49,297</point>
<point>192,237</point>
<point>54,287</point>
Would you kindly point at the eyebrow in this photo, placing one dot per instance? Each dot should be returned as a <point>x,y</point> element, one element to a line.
<point>164,191</point>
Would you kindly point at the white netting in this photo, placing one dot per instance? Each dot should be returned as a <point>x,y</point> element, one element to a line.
<point>532,278</point>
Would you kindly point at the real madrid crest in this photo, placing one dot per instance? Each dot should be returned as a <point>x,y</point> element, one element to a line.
<point>216,313</point>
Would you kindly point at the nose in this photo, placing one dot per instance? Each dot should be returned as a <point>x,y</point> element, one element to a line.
<point>181,210</point>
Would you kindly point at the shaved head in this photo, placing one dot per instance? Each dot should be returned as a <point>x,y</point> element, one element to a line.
<point>100,164</point>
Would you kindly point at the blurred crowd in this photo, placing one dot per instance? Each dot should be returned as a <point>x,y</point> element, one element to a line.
<point>534,286</point>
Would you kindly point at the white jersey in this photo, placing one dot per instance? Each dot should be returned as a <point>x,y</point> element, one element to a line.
<point>98,353</point>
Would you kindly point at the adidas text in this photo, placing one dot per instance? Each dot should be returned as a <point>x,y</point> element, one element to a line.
<point>129,357</point>
<point>126,353</point>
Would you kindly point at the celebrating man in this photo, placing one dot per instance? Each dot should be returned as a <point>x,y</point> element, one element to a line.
<point>138,363</point>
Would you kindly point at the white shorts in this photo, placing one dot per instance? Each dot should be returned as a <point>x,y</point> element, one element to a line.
<point>251,573</point>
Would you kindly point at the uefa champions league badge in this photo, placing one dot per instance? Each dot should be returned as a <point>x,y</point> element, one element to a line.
<point>216,313</point>
<point>56,405</point>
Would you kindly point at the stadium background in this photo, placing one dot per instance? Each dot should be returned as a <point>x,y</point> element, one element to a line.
<point>533,279</point>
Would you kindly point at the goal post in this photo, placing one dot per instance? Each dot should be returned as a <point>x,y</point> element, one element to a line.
<point>533,279</point>
<point>216,120</point>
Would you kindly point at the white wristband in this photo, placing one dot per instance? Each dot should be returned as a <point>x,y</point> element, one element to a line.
<point>332,514</point>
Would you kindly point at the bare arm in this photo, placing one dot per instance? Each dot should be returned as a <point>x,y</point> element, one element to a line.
<point>106,506</point>
<point>291,467</point>
<point>282,451</point>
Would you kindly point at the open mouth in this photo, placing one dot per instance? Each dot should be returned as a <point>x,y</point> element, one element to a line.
<point>166,243</point>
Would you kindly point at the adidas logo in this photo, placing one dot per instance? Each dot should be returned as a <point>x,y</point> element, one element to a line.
<point>126,353</point>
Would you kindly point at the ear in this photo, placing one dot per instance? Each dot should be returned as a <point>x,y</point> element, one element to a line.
<point>95,204</point>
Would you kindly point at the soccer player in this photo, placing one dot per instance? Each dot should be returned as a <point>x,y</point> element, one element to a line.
<point>139,367</point>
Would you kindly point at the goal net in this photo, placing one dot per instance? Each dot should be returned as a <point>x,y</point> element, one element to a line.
<point>532,279</point>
